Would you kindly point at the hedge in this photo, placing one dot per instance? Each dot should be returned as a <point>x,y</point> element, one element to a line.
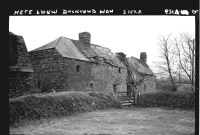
<point>36,106</point>
<point>179,100</point>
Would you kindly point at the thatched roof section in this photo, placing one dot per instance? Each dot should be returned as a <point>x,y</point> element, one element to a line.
<point>138,69</point>
<point>95,53</point>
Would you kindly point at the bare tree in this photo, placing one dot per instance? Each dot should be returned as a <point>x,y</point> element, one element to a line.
<point>167,64</point>
<point>185,50</point>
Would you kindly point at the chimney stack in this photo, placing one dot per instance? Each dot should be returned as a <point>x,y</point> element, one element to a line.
<point>143,56</point>
<point>85,37</point>
<point>121,56</point>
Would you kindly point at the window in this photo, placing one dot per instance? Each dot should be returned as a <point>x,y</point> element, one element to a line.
<point>145,87</point>
<point>119,70</point>
<point>91,85</point>
<point>39,84</point>
<point>115,88</point>
<point>77,68</point>
<point>128,90</point>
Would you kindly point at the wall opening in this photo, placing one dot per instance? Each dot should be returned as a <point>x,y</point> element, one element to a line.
<point>119,70</point>
<point>115,88</point>
<point>38,84</point>
<point>91,85</point>
<point>77,68</point>
<point>128,90</point>
<point>145,87</point>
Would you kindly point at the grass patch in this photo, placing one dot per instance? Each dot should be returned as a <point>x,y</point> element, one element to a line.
<point>179,100</point>
<point>36,106</point>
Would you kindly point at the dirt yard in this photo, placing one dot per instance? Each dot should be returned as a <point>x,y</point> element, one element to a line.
<point>128,121</point>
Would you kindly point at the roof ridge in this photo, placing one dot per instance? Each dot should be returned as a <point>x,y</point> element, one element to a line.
<point>90,43</point>
<point>58,41</point>
<point>36,49</point>
<point>101,47</point>
<point>67,38</point>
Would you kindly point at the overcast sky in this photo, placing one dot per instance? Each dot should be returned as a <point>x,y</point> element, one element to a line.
<point>128,34</point>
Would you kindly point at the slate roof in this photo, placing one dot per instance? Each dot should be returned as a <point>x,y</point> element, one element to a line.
<point>65,47</point>
<point>138,69</point>
<point>76,49</point>
<point>18,54</point>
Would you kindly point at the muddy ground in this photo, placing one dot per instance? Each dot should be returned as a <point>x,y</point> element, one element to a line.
<point>127,121</point>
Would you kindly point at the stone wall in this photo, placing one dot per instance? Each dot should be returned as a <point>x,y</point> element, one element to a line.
<point>105,77</point>
<point>20,83</point>
<point>13,54</point>
<point>77,75</point>
<point>146,86</point>
<point>53,71</point>
<point>48,69</point>
<point>17,42</point>
<point>65,74</point>
<point>20,68</point>
<point>23,57</point>
<point>149,83</point>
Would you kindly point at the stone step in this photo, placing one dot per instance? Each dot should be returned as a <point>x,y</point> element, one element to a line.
<point>126,104</point>
<point>127,101</point>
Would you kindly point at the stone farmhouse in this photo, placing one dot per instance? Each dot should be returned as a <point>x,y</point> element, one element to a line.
<point>20,67</point>
<point>77,65</point>
<point>140,78</point>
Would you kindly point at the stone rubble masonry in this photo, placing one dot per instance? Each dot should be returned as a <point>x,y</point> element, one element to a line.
<point>19,82</point>
<point>60,73</point>
<point>23,56</point>
<point>85,37</point>
<point>48,74</point>
<point>54,72</point>
<point>107,76</point>
<point>143,56</point>
<point>149,83</point>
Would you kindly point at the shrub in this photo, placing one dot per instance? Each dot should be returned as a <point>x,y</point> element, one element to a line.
<point>167,99</point>
<point>165,86</point>
<point>185,88</point>
<point>40,105</point>
<point>107,99</point>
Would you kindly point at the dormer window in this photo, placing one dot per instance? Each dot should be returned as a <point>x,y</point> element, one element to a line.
<point>77,68</point>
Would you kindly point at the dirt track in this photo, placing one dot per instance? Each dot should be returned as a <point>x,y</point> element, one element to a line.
<point>130,121</point>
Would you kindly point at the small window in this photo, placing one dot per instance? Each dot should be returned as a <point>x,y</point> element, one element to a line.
<point>145,87</point>
<point>91,85</point>
<point>77,68</point>
<point>128,92</point>
<point>115,88</point>
<point>119,70</point>
<point>39,84</point>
